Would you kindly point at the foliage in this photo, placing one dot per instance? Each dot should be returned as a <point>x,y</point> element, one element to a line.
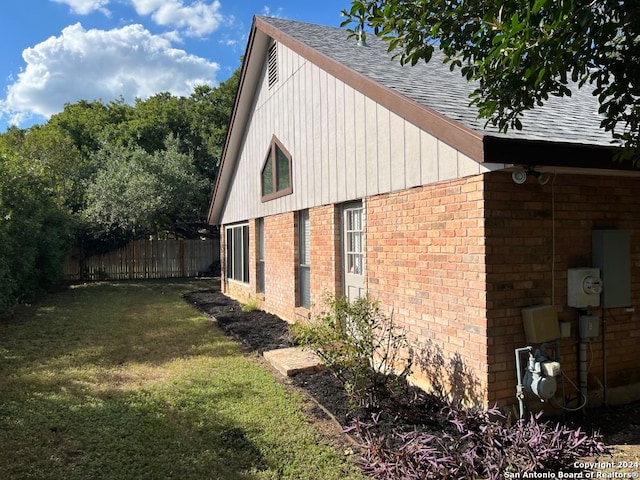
<point>135,191</point>
<point>362,347</point>
<point>410,434</point>
<point>35,232</point>
<point>90,124</point>
<point>99,174</point>
<point>467,443</point>
<point>252,305</point>
<point>521,52</point>
<point>127,381</point>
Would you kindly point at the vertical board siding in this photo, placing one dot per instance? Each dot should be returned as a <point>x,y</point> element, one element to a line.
<point>412,155</point>
<point>340,149</point>
<point>384,151</point>
<point>146,259</point>
<point>370,158</point>
<point>344,145</point>
<point>348,137</point>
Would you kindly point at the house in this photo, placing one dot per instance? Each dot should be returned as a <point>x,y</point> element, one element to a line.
<point>344,172</point>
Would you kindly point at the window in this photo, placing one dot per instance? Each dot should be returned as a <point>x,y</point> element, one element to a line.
<point>260,247</point>
<point>304,261</point>
<point>354,232</point>
<point>272,65</point>
<point>238,253</point>
<point>276,172</point>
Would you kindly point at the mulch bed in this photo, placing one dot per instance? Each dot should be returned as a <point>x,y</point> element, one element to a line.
<point>260,331</point>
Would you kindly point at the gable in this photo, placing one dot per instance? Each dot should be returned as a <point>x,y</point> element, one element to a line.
<point>343,145</point>
<point>359,124</point>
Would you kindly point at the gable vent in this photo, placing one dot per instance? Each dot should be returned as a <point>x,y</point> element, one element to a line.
<point>273,65</point>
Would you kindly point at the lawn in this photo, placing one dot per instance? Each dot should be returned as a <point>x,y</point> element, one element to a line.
<point>127,381</point>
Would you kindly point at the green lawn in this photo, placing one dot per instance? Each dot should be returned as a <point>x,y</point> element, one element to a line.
<point>127,381</point>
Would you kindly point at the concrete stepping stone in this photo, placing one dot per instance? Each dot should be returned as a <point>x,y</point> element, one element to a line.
<point>290,361</point>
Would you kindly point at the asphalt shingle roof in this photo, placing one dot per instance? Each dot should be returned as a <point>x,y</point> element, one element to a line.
<point>572,119</point>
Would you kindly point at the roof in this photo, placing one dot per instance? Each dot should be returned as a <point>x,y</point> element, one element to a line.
<point>433,85</point>
<point>565,132</point>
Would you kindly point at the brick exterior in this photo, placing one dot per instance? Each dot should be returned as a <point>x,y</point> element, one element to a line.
<point>425,263</point>
<point>455,262</point>
<point>526,224</point>
<point>326,253</point>
<point>281,263</point>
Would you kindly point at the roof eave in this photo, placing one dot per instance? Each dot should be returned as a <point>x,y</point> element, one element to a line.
<point>532,153</point>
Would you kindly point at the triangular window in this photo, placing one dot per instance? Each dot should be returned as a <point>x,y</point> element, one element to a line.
<point>275,175</point>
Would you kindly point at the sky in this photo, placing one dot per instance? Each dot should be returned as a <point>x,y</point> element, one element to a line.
<point>54,52</point>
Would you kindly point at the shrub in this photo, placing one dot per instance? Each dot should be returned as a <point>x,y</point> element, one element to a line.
<point>35,233</point>
<point>362,347</point>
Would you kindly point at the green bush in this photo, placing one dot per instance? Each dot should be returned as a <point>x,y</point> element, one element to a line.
<point>362,347</point>
<point>35,233</point>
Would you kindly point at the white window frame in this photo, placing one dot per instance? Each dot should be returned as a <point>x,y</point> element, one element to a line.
<point>260,274</point>
<point>304,259</point>
<point>237,252</point>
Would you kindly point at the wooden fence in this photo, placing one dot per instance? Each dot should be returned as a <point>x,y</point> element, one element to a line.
<point>146,259</point>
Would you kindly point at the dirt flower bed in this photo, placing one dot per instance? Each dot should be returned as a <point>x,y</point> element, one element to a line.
<point>260,331</point>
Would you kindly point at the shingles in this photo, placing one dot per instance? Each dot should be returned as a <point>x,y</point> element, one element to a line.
<point>572,119</point>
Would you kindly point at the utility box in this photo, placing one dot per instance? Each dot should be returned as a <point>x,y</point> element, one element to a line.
<point>584,287</point>
<point>611,251</point>
<point>589,327</point>
<point>540,324</point>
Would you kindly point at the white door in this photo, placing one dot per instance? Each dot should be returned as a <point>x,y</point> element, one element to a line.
<point>353,250</point>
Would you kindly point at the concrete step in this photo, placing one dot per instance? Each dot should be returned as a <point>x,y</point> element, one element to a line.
<point>290,361</point>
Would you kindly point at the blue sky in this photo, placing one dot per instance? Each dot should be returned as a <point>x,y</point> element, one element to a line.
<point>54,52</point>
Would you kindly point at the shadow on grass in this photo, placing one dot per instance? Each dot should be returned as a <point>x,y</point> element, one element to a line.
<point>112,324</point>
<point>126,435</point>
<point>84,393</point>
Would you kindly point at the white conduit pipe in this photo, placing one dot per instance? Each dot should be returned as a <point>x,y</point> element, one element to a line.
<point>520,387</point>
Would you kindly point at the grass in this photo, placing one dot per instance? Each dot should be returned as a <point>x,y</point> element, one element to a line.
<point>127,381</point>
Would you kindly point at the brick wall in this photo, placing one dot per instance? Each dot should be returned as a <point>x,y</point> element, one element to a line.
<point>425,263</point>
<point>281,263</point>
<point>326,263</point>
<point>429,263</point>
<point>280,257</point>
<point>534,234</point>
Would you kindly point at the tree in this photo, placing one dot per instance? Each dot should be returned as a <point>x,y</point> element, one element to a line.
<point>52,156</point>
<point>90,124</point>
<point>35,231</point>
<point>137,193</point>
<point>211,110</point>
<point>101,174</point>
<point>522,51</point>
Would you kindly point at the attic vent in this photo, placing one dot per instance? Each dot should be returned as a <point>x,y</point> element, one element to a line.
<point>273,65</point>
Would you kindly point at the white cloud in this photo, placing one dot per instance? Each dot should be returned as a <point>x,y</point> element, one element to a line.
<point>85,7</point>
<point>196,19</point>
<point>101,65</point>
<point>267,12</point>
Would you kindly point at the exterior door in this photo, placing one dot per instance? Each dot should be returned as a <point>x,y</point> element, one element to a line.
<point>353,250</point>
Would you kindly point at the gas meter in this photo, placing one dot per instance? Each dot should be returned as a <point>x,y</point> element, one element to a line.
<point>540,376</point>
